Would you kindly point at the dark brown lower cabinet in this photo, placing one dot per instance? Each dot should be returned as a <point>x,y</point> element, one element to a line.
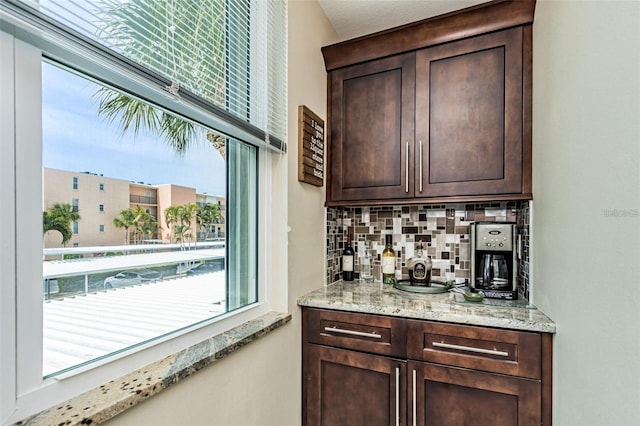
<point>364,369</point>
<point>352,388</point>
<point>443,395</point>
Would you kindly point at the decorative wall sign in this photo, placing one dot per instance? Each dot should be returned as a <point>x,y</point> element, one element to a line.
<point>310,147</point>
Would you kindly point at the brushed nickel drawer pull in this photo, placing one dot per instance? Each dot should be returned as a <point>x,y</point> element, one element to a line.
<point>406,167</point>
<point>352,332</point>
<point>469,349</point>
<point>420,166</point>
<point>414,408</point>
<point>397,396</point>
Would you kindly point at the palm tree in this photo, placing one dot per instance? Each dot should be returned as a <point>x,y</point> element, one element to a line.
<point>126,220</point>
<point>149,226</point>
<point>207,215</point>
<point>135,28</point>
<point>143,224</point>
<point>171,217</point>
<point>146,225</point>
<point>59,218</point>
<point>179,218</point>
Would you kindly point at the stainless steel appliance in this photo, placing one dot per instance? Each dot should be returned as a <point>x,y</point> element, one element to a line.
<point>493,260</point>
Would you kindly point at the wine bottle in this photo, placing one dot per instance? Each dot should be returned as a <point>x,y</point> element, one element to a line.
<point>388,261</point>
<point>347,261</point>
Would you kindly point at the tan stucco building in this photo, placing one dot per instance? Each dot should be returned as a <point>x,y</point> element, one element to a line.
<point>100,199</point>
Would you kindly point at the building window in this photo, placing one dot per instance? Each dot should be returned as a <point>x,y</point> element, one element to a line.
<point>75,228</point>
<point>101,186</point>
<point>75,182</point>
<point>101,228</point>
<point>75,205</point>
<point>101,207</point>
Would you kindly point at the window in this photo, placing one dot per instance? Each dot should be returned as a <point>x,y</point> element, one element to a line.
<point>75,182</point>
<point>184,173</point>
<point>227,113</point>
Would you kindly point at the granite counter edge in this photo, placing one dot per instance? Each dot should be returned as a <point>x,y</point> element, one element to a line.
<point>442,316</point>
<point>102,403</point>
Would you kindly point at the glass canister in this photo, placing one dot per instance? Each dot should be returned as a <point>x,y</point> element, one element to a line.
<point>419,268</point>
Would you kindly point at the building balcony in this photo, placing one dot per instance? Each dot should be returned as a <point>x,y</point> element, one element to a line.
<point>141,199</point>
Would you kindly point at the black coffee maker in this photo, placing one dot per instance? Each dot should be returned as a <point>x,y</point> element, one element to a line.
<point>493,260</point>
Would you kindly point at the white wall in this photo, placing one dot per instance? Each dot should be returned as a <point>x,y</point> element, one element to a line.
<point>261,383</point>
<point>586,265</point>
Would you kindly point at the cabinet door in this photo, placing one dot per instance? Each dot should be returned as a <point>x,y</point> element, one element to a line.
<point>469,115</point>
<point>352,388</point>
<point>441,395</point>
<point>371,117</point>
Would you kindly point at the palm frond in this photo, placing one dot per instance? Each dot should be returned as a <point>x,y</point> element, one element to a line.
<point>182,40</point>
<point>128,112</point>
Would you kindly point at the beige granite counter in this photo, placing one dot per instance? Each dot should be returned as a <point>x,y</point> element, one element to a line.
<point>384,299</point>
<point>104,402</point>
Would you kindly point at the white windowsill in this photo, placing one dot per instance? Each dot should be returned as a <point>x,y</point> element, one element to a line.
<point>110,399</point>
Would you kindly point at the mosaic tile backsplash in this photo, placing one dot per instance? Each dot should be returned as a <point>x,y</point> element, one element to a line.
<point>443,231</point>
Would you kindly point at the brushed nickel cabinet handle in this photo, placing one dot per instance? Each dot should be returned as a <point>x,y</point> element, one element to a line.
<point>414,399</point>
<point>420,166</point>
<point>406,167</point>
<point>397,396</point>
<point>352,332</point>
<point>469,349</point>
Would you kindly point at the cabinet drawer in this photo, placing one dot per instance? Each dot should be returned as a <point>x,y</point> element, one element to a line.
<point>509,352</point>
<point>362,332</point>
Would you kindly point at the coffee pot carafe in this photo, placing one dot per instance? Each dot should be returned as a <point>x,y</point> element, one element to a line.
<point>494,271</point>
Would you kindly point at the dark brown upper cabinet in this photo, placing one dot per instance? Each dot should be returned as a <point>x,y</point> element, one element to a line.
<point>443,114</point>
<point>372,130</point>
<point>469,116</point>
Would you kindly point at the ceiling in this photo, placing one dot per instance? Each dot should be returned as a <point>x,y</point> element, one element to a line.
<point>354,18</point>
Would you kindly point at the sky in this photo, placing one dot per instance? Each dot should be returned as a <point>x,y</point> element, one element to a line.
<point>76,139</point>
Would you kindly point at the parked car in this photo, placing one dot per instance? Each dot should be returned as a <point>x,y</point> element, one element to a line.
<point>205,268</point>
<point>126,278</point>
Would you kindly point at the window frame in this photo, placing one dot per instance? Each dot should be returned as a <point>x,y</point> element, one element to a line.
<point>23,391</point>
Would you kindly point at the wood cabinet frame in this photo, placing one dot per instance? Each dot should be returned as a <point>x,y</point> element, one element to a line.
<point>519,386</point>
<point>481,19</point>
<point>399,181</point>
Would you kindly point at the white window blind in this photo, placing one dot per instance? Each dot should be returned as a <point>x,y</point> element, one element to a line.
<point>225,57</point>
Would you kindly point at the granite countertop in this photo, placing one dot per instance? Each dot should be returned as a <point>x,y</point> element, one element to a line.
<point>110,399</point>
<point>384,299</point>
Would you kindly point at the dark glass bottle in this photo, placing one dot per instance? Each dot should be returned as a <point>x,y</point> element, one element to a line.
<point>347,261</point>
